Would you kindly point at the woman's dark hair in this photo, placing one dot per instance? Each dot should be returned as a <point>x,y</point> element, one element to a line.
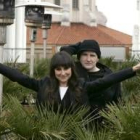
<point>65,60</point>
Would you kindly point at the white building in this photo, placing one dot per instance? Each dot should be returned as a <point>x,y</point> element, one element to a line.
<point>83,11</point>
<point>136,35</point>
<point>74,11</point>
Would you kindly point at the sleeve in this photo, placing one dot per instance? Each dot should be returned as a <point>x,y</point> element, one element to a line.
<point>109,80</point>
<point>16,76</point>
<point>71,49</point>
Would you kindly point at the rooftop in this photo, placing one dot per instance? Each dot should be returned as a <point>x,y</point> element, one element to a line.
<point>64,35</point>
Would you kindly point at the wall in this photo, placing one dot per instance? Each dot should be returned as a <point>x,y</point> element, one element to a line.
<point>118,53</point>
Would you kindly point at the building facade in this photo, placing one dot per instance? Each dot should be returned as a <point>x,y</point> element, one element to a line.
<point>80,20</point>
<point>136,35</point>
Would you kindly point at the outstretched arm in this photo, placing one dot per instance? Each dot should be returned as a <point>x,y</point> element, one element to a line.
<point>16,76</point>
<point>113,78</point>
<point>136,67</point>
<point>71,49</point>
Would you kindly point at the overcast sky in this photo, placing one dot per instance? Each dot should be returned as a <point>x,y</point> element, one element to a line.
<point>121,14</point>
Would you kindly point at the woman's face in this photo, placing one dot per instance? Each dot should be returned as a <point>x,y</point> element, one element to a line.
<point>63,74</point>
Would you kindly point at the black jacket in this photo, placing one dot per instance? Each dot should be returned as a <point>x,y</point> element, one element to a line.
<point>40,86</point>
<point>102,97</point>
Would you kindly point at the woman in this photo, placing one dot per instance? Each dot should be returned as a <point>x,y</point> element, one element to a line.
<point>62,87</point>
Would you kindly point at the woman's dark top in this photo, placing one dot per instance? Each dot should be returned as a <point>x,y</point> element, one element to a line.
<point>41,86</point>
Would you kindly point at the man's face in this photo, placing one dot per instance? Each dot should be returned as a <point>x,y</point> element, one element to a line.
<point>89,59</point>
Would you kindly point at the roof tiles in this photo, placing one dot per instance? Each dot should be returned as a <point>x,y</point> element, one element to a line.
<point>64,35</point>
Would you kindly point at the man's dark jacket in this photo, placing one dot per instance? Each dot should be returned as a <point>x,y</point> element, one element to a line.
<point>102,97</point>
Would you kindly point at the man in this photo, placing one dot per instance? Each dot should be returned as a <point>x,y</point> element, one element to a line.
<point>88,67</point>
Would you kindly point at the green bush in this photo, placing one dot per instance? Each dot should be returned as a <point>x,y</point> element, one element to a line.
<point>18,122</point>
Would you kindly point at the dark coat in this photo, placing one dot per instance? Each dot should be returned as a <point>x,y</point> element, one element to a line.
<point>102,97</point>
<point>40,86</point>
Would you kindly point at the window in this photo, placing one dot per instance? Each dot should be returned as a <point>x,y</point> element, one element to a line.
<point>138,2</point>
<point>75,4</point>
<point>57,2</point>
<point>90,4</point>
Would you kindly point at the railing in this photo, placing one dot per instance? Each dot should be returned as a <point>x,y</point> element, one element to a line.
<point>11,54</point>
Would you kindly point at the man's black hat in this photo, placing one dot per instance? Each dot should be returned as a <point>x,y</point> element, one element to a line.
<point>89,45</point>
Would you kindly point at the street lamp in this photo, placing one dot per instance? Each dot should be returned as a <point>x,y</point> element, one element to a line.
<point>45,26</point>
<point>33,19</point>
<point>34,16</point>
<point>7,13</point>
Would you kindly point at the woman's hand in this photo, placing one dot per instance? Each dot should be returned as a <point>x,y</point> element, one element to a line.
<point>136,67</point>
